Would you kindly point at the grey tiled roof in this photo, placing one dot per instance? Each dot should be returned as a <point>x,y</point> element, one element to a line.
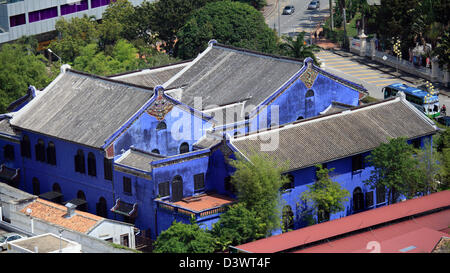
<point>5,127</point>
<point>333,136</point>
<point>138,159</point>
<point>151,77</point>
<point>225,75</point>
<point>82,108</point>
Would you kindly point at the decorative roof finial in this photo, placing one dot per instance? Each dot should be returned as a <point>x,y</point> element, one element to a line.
<point>212,42</point>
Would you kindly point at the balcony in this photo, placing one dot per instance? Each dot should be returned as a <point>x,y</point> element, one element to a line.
<point>199,206</point>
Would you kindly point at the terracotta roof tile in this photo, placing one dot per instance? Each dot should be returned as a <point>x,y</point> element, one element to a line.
<point>54,214</point>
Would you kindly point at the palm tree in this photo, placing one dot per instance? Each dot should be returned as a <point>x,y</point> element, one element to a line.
<point>298,48</point>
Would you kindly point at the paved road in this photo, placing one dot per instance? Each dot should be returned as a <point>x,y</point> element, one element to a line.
<point>372,75</point>
<point>302,19</point>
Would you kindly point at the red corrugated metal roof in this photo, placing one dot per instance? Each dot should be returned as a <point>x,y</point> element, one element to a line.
<point>412,236</point>
<point>348,224</point>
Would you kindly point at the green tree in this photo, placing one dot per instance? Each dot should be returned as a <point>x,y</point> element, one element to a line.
<point>184,238</point>
<point>258,181</point>
<point>442,144</point>
<point>238,225</point>
<point>429,169</point>
<point>74,35</point>
<point>117,23</point>
<point>123,58</point>
<point>442,50</point>
<point>325,196</point>
<point>395,19</point>
<point>394,168</point>
<point>298,48</point>
<point>258,4</point>
<point>19,68</point>
<point>231,23</point>
<point>166,17</point>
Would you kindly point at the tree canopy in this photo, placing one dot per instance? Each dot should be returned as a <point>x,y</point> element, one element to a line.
<point>238,225</point>
<point>395,168</point>
<point>325,196</point>
<point>19,68</point>
<point>298,48</point>
<point>184,238</point>
<point>258,181</point>
<point>232,23</point>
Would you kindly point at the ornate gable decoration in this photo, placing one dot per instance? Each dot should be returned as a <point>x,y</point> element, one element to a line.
<point>160,107</point>
<point>309,76</point>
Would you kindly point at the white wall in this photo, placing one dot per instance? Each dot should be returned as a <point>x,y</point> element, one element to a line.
<point>88,243</point>
<point>43,26</point>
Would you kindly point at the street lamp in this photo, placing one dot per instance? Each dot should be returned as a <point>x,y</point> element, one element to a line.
<point>49,50</point>
<point>397,51</point>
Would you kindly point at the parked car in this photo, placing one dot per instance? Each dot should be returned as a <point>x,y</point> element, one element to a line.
<point>8,237</point>
<point>444,120</point>
<point>288,10</point>
<point>314,4</point>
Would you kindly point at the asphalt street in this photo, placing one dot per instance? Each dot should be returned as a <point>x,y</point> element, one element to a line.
<point>301,20</point>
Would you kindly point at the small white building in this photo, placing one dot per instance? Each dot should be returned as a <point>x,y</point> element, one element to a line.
<point>45,243</point>
<point>31,17</point>
<point>42,216</point>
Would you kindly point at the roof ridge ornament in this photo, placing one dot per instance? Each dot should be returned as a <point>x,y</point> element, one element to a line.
<point>212,42</point>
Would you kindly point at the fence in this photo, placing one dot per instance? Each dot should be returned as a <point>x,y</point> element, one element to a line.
<point>363,47</point>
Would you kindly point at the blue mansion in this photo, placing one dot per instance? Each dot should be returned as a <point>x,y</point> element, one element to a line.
<point>152,146</point>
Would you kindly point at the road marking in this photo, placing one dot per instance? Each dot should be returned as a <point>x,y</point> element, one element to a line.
<point>385,80</point>
<point>370,77</point>
<point>344,65</point>
<point>362,74</point>
<point>336,61</point>
<point>349,69</point>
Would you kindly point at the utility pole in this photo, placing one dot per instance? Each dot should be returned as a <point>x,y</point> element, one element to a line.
<point>279,25</point>
<point>331,14</point>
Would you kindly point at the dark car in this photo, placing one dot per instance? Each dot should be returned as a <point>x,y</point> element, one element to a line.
<point>444,120</point>
<point>288,10</point>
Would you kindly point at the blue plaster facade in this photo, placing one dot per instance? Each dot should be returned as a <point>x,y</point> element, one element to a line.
<point>297,98</point>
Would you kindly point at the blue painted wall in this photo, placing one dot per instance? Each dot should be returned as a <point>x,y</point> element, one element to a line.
<point>291,103</point>
<point>142,193</point>
<point>182,126</point>
<point>64,173</point>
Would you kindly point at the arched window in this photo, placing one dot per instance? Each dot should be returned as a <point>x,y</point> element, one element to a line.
<point>155,151</point>
<point>161,126</point>
<point>79,162</point>
<point>358,199</point>
<point>36,186</point>
<point>309,104</point>
<point>51,153</point>
<point>25,148</point>
<point>92,167</point>
<point>82,196</point>
<point>40,150</point>
<point>229,186</point>
<point>8,152</point>
<point>107,168</point>
<point>56,188</point>
<point>102,208</point>
<point>177,188</point>
<point>184,148</point>
<point>300,118</point>
<point>288,218</point>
